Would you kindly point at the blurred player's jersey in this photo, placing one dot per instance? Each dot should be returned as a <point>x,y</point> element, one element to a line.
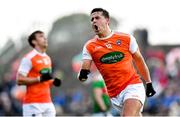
<point>99,83</point>
<point>30,66</point>
<point>113,57</point>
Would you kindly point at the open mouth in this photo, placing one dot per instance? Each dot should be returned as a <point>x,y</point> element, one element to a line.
<point>96,27</point>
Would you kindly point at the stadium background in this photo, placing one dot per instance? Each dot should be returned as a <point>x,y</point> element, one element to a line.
<point>69,29</point>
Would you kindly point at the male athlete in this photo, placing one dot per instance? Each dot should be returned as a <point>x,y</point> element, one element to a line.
<point>35,72</point>
<point>113,53</point>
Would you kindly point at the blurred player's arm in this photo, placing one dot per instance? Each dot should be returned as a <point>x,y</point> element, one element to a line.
<point>98,97</point>
<point>24,68</point>
<point>23,80</point>
<point>57,80</point>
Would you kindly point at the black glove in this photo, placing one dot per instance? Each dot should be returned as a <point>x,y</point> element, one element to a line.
<point>57,82</point>
<point>45,77</point>
<point>82,79</point>
<point>150,90</point>
<point>83,75</point>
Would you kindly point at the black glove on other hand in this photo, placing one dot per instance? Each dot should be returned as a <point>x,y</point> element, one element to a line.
<point>57,82</point>
<point>45,77</point>
<point>150,90</point>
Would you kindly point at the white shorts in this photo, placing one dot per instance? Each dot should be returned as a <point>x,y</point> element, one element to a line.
<point>135,91</point>
<point>39,110</point>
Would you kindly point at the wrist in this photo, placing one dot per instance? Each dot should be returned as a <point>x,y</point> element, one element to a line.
<point>38,79</point>
<point>148,82</point>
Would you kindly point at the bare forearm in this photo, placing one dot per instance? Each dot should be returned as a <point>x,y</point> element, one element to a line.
<point>101,104</point>
<point>99,99</point>
<point>142,67</point>
<point>21,80</point>
<point>86,64</point>
<point>144,71</point>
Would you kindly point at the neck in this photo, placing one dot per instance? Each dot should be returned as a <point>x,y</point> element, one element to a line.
<point>106,33</point>
<point>40,50</point>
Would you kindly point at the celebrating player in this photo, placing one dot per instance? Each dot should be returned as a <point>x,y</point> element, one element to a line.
<point>113,53</point>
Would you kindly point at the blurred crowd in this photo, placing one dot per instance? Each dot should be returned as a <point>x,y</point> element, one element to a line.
<point>165,73</point>
<point>77,100</point>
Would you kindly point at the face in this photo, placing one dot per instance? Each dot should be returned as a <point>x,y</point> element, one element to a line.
<point>99,22</point>
<point>41,40</point>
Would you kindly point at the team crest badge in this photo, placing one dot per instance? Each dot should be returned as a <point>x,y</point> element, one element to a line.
<point>118,42</point>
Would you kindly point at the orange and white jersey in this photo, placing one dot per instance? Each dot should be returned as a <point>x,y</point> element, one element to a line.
<point>113,57</point>
<point>30,66</point>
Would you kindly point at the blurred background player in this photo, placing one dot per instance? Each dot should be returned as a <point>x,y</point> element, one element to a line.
<point>35,72</point>
<point>113,53</point>
<point>102,104</point>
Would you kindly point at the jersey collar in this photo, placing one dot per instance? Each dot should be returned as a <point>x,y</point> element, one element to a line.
<point>41,54</point>
<point>110,35</point>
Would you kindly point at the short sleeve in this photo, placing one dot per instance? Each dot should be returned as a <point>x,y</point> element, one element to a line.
<point>98,84</point>
<point>25,66</point>
<point>133,45</point>
<point>86,54</point>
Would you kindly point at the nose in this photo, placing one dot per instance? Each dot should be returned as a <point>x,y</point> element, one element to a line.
<point>94,22</point>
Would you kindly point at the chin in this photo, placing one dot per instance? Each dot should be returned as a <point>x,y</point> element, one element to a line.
<point>45,46</point>
<point>97,33</point>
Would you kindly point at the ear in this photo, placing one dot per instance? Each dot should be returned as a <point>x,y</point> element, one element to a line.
<point>34,42</point>
<point>108,20</point>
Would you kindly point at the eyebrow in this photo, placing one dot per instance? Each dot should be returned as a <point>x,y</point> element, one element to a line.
<point>95,17</point>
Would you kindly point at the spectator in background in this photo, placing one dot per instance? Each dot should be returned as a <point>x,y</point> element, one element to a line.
<point>8,104</point>
<point>166,82</point>
<point>173,63</point>
<point>174,108</point>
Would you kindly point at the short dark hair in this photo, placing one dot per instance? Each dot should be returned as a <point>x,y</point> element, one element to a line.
<point>104,12</point>
<point>33,37</point>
